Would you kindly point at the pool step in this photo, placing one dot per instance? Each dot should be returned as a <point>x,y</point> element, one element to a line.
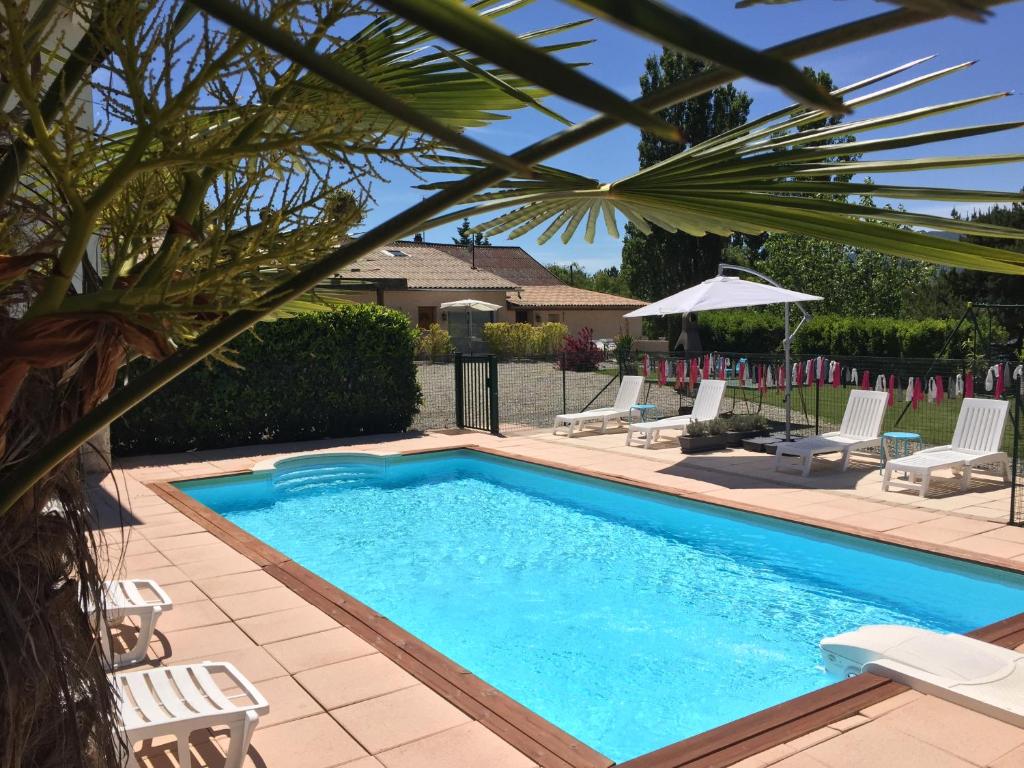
<point>305,478</point>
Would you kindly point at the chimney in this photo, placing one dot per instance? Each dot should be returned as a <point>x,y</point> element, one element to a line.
<point>472,254</point>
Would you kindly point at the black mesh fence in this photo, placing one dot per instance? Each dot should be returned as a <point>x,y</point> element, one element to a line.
<point>531,392</point>
<point>924,394</point>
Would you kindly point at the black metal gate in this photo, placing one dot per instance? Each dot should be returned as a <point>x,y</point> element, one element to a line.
<point>476,392</point>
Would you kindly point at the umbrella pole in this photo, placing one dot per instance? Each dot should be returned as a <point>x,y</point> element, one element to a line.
<point>788,372</point>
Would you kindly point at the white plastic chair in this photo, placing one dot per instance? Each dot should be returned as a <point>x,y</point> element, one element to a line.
<point>862,423</point>
<point>125,599</point>
<point>705,407</point>
<point>177,700</point>
<point>628,394</point>
<point>976,441</point>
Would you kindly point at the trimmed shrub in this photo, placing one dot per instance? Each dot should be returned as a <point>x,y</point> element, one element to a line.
<point>752,331</point>
<point>435,343</point>
<point>348,371</point>
<point>580,353</point>
<point>508,340</point>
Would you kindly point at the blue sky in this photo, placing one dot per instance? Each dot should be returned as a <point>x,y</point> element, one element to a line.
<point>617,60</point>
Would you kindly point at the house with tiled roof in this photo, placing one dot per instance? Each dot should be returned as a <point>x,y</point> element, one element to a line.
<point>417,278</point>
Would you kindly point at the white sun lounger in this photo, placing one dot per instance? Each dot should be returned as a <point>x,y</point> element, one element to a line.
<point>142,599</point>
<point>977,675</point>
<point>705,408</point>
<point>629,392</point>
<point>179,699</point>
<point>976,439</point>
<point>862,423</point>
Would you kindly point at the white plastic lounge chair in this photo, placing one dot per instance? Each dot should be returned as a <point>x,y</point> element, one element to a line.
<point>705,408</point>
<point>977,675</point>
<point>179,699</point>
<point>629,393</point>
<point>862,423</point>
<point>139,598</point>
<point>976,439</point>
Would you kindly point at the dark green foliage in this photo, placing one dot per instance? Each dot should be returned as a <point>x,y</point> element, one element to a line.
<point>469,238</point>
<point>349,371</point>
<point>659,264</point>
<point>606,280</point>
<point>988,287</point>
<point>752,331</point>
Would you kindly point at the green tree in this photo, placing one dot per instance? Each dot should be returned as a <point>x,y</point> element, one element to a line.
<point>606,280</point>
<point>983,287</point>
<point>469,238</point>
<point>661,263</point>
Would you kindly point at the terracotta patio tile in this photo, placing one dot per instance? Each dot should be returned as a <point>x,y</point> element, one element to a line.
<point>146,561</point>
<point>799,760</point>
<point>849,723</point>
<point>187,541</point>
<point>347,682</point>
<point>210,551</point>
<point>763,759</point>
<point>932,533</point>
<point>956,730</point>
<point>876,745</point>
<point>281,625</point>
<point>397,718</point>
<point>1005,533</point>
<point>319,649</point>
<point>1013,759</point>
<point>288,701</point>
<point>178,528</point>
<point>253,662</point>
<point>965,524</point>
<point>237,583</point>
<point>263,601</point>
<point>312,742</point>
<point>183,592</point>
<point>873,521</point>
<point>895,702</point>
<point>169,574</point>
<point>204,641</point>
<point>990,546</point>
<point>814,737</point>
<point>467,745</point>
<point>201,613</point>
<point>221,565</point>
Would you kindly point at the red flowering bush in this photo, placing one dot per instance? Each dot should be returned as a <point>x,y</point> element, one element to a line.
<point>580,353</point>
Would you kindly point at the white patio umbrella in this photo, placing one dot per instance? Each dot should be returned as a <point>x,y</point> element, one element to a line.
<point>469,305</point>
<point>725,292</point>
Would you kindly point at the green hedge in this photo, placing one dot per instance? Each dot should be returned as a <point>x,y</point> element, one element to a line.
<point>509,340</point>
<point>752,331</point>
<point>336,373</point>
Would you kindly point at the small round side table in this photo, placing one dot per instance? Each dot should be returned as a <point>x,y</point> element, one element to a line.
<point>643,408</point>
<point>901,445</point>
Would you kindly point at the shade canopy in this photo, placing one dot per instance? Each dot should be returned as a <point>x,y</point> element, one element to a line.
<point>477,304</point>
<point>721,292</point>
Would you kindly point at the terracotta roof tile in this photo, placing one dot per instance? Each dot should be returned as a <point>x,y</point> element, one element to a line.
<point>559,296</point>
<point>508,261</point>
<point>423,267</point>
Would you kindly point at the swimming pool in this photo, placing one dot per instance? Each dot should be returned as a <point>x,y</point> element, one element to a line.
<point>628,618</point>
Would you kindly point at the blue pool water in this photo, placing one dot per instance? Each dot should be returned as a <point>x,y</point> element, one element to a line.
<point>627,618</point>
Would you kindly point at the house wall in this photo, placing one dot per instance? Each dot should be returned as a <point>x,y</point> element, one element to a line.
<point>606,323</point>
<point>410,301</point>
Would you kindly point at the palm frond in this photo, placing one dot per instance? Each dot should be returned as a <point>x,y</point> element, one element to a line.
<point>775,174</point>
<point>976,10</point>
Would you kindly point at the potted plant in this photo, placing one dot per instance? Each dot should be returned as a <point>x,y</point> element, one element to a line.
<point>745,426</point>
<point>703,436</point>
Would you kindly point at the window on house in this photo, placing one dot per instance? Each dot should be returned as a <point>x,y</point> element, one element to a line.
<point>395,252</point>
<point>554,317</point>
<point>522,316</point>
<point>426,316</point>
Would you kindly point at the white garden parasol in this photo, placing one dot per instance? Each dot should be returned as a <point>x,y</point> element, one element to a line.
<point>725,292</point>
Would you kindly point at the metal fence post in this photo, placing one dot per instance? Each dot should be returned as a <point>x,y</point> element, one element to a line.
<point>492,385</point>
<point>1014,517</point>
<point>817,400</point>
<point>565,402</point>
<point>460,420</point>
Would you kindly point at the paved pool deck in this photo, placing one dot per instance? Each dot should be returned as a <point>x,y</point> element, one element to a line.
<point>337,699</point>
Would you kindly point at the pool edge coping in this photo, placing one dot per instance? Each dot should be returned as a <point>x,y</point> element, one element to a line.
<point>533,735</point>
